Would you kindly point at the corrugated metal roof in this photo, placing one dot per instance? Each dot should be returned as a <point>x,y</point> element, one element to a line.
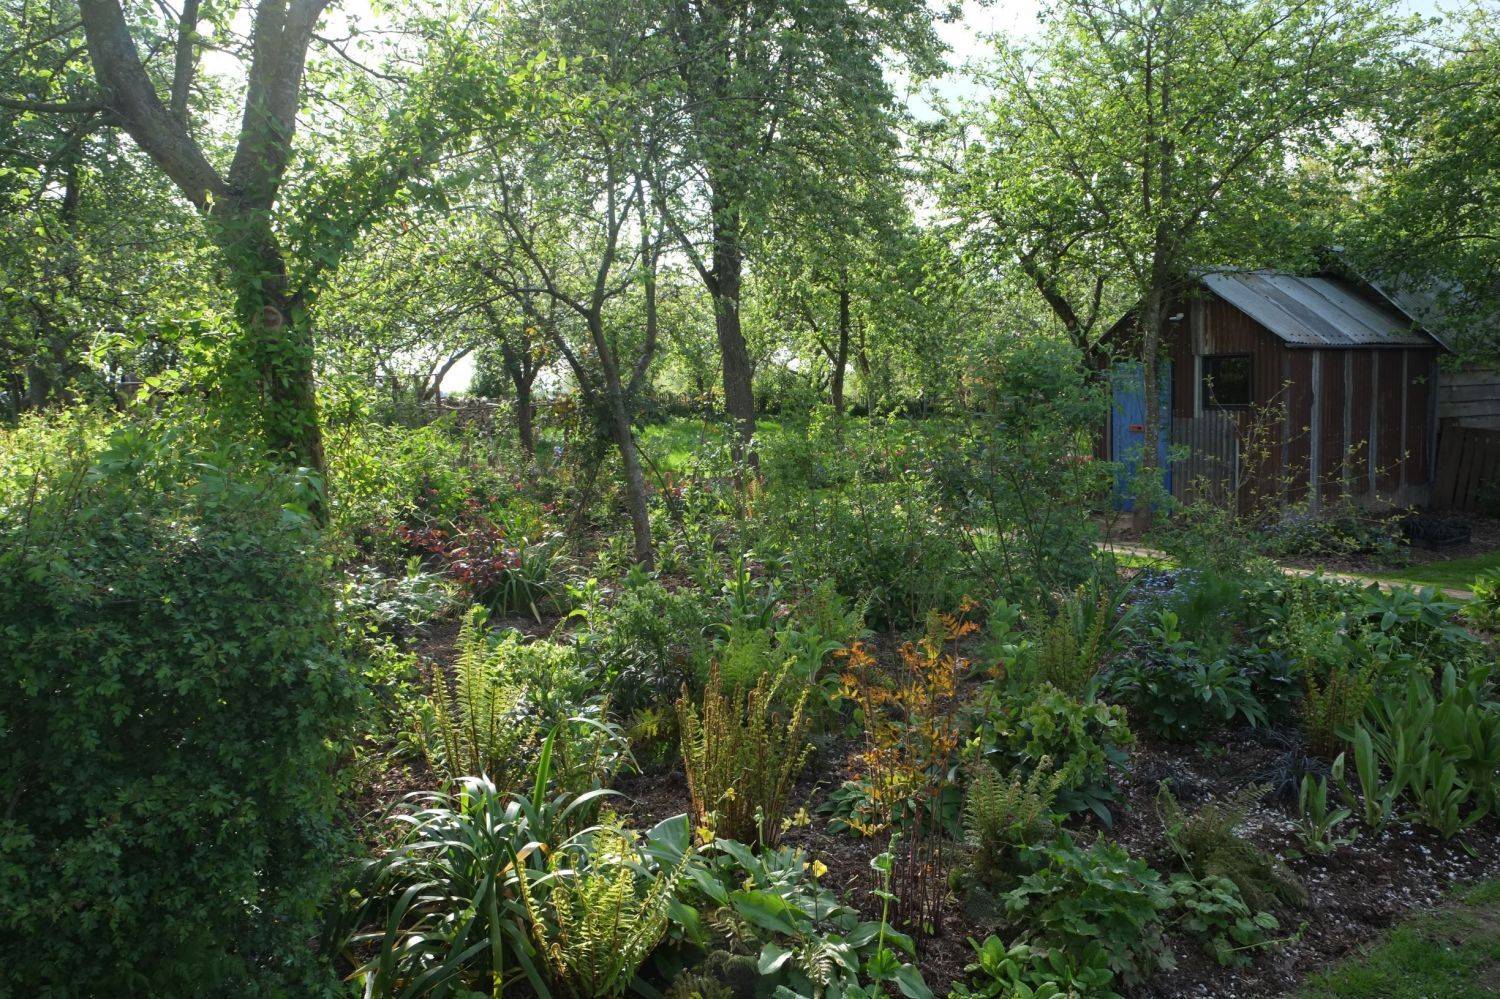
<point>1315,311</point>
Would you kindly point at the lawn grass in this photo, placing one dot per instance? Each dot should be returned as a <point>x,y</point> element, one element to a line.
<point>1456,573</point>
<point>671,444</point>
<point>1452,952</point>
<point>1132,560</point>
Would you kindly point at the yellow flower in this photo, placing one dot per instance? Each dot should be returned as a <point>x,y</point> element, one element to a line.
<point>705,835</point>
<point>819,868</point>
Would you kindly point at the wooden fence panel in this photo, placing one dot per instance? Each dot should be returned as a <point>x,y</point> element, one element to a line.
<point>1468,467</point>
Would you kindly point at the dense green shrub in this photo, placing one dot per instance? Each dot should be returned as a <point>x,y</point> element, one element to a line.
<point>1017,481</point>
<point>169,694</point>
<point>1082,739</point>
<point>1175,694</point>
<point>1342,531</point>
<point>1484,610</point>
<point>645,645</point>
<point>382,476</point>
<point>856,502</point>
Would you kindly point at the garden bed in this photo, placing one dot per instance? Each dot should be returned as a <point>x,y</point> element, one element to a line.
<point>1123,783</point>
<point>1355,894</point>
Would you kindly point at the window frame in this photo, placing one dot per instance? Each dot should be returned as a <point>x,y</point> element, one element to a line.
<point>1205,382</point>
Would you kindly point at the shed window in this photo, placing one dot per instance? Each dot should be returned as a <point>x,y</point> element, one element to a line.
<point>1227,381</point>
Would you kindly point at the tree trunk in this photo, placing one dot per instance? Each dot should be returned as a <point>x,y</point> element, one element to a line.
<point>276,370</point>
<point>728,264</point>
<point>635,488</point>
<point>635,479</point>
<point>841,354</point>
<point>38,386</point>
<point>1152,310</point>
<point>525,414</point>
<point>862,362</point>
<point>280,358</point>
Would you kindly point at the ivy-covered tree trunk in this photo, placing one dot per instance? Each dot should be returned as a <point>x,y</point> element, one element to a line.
<point>279,363</point>
<point>274,370</point>
<point>273,380</point>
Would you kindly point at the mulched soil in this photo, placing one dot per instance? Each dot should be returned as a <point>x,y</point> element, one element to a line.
<point>1354,894</point>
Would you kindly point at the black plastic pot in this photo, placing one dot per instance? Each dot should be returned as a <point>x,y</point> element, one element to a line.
<point>1436,532</point>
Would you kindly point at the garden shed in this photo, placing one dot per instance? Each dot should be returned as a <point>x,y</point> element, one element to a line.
<point>1280,389</point>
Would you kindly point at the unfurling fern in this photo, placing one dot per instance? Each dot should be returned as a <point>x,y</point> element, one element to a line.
<point>1331,709</point>
<point>816,959</point>
<point>1072,645</point>
<point>1208,844</point>
<point>1002,817</point>
<point>594,918</point>
<point>692,986</point>
<point>741,754</point>
<point>478,727</point>
<point>738,935</point>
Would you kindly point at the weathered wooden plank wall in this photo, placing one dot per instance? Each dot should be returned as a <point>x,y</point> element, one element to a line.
<point>1468,468</point>
<point>1470,397</point>
<point>1326,423</point>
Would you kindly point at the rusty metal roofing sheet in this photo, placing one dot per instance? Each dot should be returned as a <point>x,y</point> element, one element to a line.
<point>1315,311</point>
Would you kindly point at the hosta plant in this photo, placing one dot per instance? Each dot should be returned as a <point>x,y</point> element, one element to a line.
<point>1317,819</point>
<point>1100,897</point>
<point>1442,748</point>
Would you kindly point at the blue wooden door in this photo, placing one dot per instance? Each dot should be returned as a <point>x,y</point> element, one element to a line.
<point>1128,423</point>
